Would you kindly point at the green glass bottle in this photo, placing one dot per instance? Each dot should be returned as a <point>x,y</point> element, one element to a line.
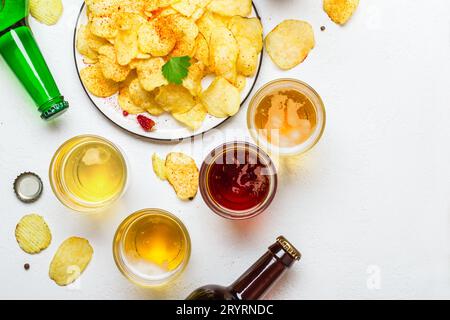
<point>21,52</point>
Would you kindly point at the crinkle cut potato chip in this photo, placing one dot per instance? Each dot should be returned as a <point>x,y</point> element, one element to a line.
<point>46,11</point>
<point>182,173</point>
<point>289,43</point>
<point>94,80</point>
<point>33,234</point>
<point>70,260</point>
<point>340,11</point>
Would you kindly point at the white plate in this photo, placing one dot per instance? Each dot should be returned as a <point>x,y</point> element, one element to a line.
<point>167,128</point>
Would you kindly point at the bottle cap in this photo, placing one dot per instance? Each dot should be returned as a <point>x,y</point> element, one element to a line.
<point>289,248</point>
<point>28,187</point>
<point>55,110</point>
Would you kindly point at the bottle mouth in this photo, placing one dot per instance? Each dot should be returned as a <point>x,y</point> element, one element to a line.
<point>289,248</point>
<point>53,109</point>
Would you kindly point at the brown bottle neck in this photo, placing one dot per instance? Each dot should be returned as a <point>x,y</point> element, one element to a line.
<point>258,279</point>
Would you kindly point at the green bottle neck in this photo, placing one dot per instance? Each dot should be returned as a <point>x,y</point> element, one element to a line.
<point>21,52</point>
<point>11,12</point>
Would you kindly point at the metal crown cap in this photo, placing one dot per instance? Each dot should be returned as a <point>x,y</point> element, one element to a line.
<point>28,187</point>
<point>289,248</point>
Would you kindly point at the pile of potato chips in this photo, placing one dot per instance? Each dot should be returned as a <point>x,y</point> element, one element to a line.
<point>127,42</point>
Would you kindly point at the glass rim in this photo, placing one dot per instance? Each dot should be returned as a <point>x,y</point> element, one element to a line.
<point>315,100</point>
<point>74,203</point>
<point>121,233</point>
<point>237,214</point>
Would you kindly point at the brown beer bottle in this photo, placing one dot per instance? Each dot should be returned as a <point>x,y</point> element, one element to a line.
<point>257,280</point>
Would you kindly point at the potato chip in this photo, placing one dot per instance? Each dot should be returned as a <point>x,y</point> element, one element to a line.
<point>150,73</point>
<point>130,78</point>
<point>175,99</point>
<point>82,43</point>
<point>166,12</point>
<point>94,42</point>
<point>70,260</point>
<point>182,173</point>
<point>193,81</point>
<point>248,28</point>
<point>126,103</point>
<point>186,32</point>
<point>152,5</point>
<point>224,20</point>
<point>223,52</point>
<point>247,62</point>
<point>46,11</point>
<point>290,43</point>
<point>126,45</point>
<point>143,56</point>
<point>340,11</point>
<point>221,99</point>
<point>157,38</point>
<point>132,6</point>
<point>159,167</point>
<point>33,234</point>
<point>128,20</point>
<point>186,7</point>
<point>143,98</point>
<point>104,27</point>
<point>231,7</point>
<point>201,49</point>
<point>110,68</point>
<point>96,83</point>
<point>193,118</point>
<point>207,23</point>
<point>198,13</point>
<point>103,7</point>
<point>241,82</point>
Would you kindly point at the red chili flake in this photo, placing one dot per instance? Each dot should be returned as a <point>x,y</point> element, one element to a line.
<point>125,113</point>
<point>146,123</point>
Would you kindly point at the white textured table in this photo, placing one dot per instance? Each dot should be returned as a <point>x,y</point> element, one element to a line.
<point>368,207</point>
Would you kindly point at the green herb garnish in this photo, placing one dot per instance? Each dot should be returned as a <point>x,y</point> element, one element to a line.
<point>176,69</point>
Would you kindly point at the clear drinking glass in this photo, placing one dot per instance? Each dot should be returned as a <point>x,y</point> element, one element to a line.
<point>151,247</point>
<point>227,154</point>
<point>259,135</point>
<point>88,173</point>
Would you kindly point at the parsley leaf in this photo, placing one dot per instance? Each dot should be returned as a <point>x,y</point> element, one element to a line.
<point>176,69</point>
